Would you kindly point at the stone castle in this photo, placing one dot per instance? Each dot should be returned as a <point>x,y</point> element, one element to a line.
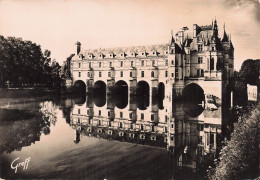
<point>195,62</point>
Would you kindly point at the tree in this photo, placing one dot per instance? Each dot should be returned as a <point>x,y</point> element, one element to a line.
<point>239,156</point>
<point>250,71</point>
<point>22,63</point>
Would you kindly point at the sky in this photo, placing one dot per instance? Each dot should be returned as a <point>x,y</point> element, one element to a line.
<point>57,25</point>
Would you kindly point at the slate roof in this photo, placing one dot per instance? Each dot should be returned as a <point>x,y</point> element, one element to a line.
<point>128,51</point>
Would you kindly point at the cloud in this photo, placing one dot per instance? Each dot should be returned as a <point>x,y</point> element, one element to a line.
<point>255,4</point>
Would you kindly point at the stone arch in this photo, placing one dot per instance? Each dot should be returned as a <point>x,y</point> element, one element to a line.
<point>161,89</point>
<point>193,93</point>
<point>143,93</point>
<point>79,87</point>
<point>99,95</point>
<point>121,87</point>
<point>121,94</point>
<point>143,88</point>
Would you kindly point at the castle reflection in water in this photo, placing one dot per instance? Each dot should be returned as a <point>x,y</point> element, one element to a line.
<point>185,129</point>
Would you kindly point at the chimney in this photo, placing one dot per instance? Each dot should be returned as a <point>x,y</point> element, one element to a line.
<point>78,47</point>
<point>195,28</point>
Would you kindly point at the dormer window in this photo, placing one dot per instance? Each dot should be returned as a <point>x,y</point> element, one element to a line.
<point>90,56</point>
<point>166,52</point>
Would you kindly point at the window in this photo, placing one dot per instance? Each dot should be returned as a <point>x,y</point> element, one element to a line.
<point>121,114</point>
<point>108,113</point>
<point>172,74</point>
<point>79,65</point>
<point>109,123</point>
<point>121,74</point>
<point>142,63</point>
<point>152,74</point>
<point>202,73</point>
<point>213,49</point>
<point>152,117</point>
<point>142,127</point>
<point>199,48</point>
<point>176,62</point>
<point>166,62</point>
<point>88,74</point>
<point>121,63</point>
<point>132,63</point>
<point>78,111</point>
<point>109,74</point>
<point>110,64</point>
<point>79,74</point>
<point>142,74</point>
<point>152,128</point>
<point>166,73</point>
<point>177,73</point>
<point>172,126</point>
<point>166,119</point>
<point>131,126</point>
<point>99,122</point>
<point>172,62</point>
<point>153,62</point>
<point>99,112</point>
<point>89,64</point>
<point>100,63</point>
<point>100,74</point>
<point>142,116</point>
<point>198,72</point>
<point>130,115</point>
<point>212,64</point>
<point>130,74</point>
<point>200,60</point>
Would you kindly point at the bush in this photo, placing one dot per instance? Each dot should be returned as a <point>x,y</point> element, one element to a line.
<point>238,158</point>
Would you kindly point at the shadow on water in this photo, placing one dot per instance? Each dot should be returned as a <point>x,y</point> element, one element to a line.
<point>142,102</point>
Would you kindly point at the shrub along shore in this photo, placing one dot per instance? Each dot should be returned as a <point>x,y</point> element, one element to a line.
<point>26,92</point>
<point>240,155</point>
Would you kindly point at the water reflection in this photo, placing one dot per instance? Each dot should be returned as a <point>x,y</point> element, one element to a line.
<point>189,132</point>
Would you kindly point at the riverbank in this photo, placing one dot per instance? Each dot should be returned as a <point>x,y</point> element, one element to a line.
<point>26,92</point>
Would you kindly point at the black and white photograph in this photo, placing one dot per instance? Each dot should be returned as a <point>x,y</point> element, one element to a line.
<point>130,89</point>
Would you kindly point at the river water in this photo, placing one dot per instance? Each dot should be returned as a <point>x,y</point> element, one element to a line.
<point>107,138</point>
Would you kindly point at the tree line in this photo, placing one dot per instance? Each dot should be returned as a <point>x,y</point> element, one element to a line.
<point>250,71</point>
<point>24,64</point>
